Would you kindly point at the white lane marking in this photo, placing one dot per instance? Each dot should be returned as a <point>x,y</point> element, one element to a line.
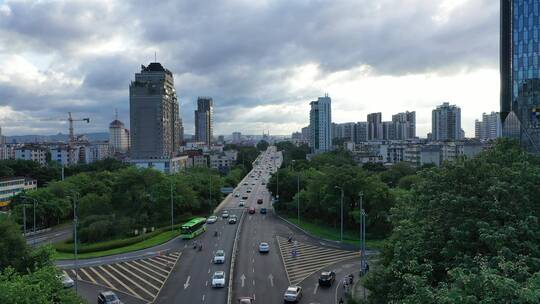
<point>146,268</point>
<point>89,276</point>
<point>271,278</point>
<point>121,283</point>
<point>153,295</point>
<point>243,278</point>
<point>206,283</point>
<point>253,282</point>
<point>203,296</point>
<point>102,277</point>
<point>186,284</point>
<point>137,276</point>
<point>316,288</point>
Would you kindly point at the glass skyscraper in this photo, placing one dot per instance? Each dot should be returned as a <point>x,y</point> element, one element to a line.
<point>520,71</point>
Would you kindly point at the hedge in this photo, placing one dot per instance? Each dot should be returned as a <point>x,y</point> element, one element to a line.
<point>67,246</point>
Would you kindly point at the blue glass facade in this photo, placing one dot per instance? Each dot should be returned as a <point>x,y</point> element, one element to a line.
<point>520,49</point>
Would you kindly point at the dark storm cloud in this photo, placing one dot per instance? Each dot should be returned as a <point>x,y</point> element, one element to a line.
<point>239,52</point>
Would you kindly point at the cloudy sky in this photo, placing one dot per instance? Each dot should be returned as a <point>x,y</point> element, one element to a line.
<point>261,60</point>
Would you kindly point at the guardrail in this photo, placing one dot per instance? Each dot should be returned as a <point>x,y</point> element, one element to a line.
<point>233,258</point>
<point>31,233</point>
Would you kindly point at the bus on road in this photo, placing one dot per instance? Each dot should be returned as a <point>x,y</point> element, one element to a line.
<point>193,228</point>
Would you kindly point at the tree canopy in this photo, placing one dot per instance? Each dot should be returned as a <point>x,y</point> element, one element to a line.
<point>468,232</point>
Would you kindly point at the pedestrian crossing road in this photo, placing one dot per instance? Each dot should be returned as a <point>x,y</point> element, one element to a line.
<point>142,278</point>
<point>301,260</point>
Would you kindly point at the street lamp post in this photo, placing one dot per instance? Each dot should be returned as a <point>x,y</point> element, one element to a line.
<point>34,203</point>
<point>75,197</point>
<point>362,240</point>
<point>24,219</point>
<point>297,192</point>
<point>172,208</point>
<point>342,194</point>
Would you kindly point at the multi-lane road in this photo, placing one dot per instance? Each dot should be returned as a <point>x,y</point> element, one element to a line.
<point>175,272</point>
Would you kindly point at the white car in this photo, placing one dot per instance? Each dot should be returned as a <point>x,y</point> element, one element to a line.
<point>236,194</point>
<point>211,219</point>
<point>219,257</point>
<point>293,294</point>
<point>241,204</point>
<point>264,247</point>
<point>218,279</point>
<point>225,214</point>
<point>67,282</point>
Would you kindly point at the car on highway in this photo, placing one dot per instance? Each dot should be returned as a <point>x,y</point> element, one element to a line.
<point>246,300</point>
<point>237,194</point>
<point>245,184</point>
<point>218,279</point>
<point>225,214</point>
<point>211,219</point>
<point>241,204</point>
<point>248,191</point>
<point>264,247</point>
<point>233,219</point>
<point>327,278</point>
<point>219,257</point>
<point>67,282</point>
<point>108,297</point>
<point>245,197</point>
<point>251,210</point>
<point>259,201</point>
<point>293,294</point>
<point>263,211</point>
<point>263,183</point>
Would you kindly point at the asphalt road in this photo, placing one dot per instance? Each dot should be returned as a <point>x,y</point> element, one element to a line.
<point>264,277</point>
<point>56,234</point>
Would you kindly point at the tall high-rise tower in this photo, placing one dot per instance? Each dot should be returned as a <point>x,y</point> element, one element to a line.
<point>446,123</point>
<point>520,71</point>
<point>204,120</point>
<point>156,126</point>
<point>320,124</point>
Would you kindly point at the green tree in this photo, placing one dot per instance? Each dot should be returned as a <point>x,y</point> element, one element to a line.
<point>467,232</point>
<point>262,145</point>
<point>40,286</point>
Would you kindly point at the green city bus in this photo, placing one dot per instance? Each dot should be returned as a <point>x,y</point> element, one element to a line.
<point>193,228</point>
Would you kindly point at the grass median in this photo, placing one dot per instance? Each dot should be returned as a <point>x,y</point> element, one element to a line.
<point>333,234</point>
<point>147,243</point>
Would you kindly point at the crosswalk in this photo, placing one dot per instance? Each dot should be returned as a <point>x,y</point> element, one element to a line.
<point>301,260</point>
<point>142,278</point>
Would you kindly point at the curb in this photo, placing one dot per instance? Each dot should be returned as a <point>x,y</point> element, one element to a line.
<point>336,243</point>
<point>233,258</point>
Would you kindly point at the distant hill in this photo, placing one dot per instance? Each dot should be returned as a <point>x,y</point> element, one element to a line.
<point>54,138</point>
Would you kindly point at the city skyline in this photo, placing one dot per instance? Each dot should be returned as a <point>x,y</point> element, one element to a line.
<point>260,84</point>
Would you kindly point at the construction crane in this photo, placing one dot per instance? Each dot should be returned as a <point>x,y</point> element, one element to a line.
<point>71,120</point>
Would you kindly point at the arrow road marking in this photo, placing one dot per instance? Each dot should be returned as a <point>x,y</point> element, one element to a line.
<point>316,287</point>
<point>243,278</point>
<point>271,278</point>
<point>186,284</point>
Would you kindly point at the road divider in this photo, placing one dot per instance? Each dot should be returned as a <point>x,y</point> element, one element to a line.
<point>233,259</point>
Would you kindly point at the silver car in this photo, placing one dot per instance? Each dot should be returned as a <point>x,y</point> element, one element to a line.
<point>293,294</point>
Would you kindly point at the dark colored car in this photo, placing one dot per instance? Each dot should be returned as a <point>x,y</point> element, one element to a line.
<point>263,211</point>
<point>245,197</point>
<point>259,201</point>
<point>108,297</point>
<point>251,210</point>
<point>327,278</point>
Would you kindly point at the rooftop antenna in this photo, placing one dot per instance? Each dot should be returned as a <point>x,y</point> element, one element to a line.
<point>155,56</point>
<point>116,113</point>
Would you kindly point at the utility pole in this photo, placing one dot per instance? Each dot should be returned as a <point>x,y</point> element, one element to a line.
<point>210,189</point>
<point>172,208</point>
<point>298,195</point>
<point>342,194</point>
